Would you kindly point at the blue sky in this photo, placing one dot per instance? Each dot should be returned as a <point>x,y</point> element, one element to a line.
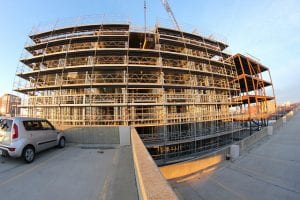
<point>266,29</point>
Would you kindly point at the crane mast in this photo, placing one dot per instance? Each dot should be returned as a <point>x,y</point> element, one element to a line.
<point>171,14</point>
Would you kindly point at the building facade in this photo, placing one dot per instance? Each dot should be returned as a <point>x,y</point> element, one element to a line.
<point>9,105</point>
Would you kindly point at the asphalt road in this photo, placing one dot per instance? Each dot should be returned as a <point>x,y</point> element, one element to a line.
<point>70,173</point>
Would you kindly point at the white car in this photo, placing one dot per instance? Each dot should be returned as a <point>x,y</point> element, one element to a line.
<point>24,137</point>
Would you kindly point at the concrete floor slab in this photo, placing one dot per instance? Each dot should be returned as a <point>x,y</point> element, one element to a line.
<point>70,173</point>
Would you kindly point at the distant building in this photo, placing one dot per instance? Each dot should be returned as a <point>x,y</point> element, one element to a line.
<point>8,105</point>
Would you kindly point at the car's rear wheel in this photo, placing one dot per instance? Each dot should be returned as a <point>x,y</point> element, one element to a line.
<point>62,142</point>
<point>28,154</point>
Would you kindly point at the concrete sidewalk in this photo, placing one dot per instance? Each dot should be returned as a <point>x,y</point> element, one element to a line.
<point>271,170</point>
<point>72,173</point>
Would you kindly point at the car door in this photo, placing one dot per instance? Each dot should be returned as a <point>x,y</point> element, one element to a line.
<point>35,134</point>
<point>50,132</point>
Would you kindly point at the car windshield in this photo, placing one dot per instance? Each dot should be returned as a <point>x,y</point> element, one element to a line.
<point>5,125</point>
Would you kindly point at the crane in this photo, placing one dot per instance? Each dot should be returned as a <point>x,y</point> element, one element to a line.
<point>169,11</point>
<point>171,14</point>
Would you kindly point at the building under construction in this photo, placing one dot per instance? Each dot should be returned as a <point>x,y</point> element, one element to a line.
<point>257,96</point>
<point>178,89</point>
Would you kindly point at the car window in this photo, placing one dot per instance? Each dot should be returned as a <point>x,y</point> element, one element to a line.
<point>32,125</point>
<point>46,125</point>
<point>6,124</point>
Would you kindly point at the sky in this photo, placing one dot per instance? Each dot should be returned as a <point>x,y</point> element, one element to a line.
<point>269,30</point>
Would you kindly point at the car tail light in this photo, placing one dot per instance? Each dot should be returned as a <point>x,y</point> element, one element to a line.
<point>15,133</point>
<point>11,149</point>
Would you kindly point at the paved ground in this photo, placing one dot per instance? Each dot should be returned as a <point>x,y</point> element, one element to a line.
<point>70,173</point>
<point>271,170</point>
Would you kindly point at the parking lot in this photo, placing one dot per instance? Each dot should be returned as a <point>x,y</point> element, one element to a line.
<point>75,172</point>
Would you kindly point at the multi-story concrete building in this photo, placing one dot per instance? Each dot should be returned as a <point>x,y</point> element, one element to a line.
<point>175,87</point>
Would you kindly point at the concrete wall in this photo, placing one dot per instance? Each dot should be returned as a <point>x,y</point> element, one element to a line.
<point>280,122</point>
<point>252,139</point>
<point>151,183</point>
<point>192,166</point>
<point>93,135</point>
<point>248,142</point>
<point>277,124</point>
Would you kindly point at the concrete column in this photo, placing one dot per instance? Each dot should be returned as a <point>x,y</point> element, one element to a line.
<point>234,151</point>
<point>124,132</point>
<point>284,119</point>
<point>270,130</point>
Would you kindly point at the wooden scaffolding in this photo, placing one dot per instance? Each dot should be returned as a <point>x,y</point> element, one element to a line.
<point>177,88</point>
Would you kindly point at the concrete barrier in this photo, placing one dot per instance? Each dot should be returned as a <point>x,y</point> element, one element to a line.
<point>249,141</point>
<point>99,135</point>
<point>280,122</point>
<point>189,167</point>
<point>290,114</point>
<point>151,184</point>
<point>93,135</point>
<point>277,124</point>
